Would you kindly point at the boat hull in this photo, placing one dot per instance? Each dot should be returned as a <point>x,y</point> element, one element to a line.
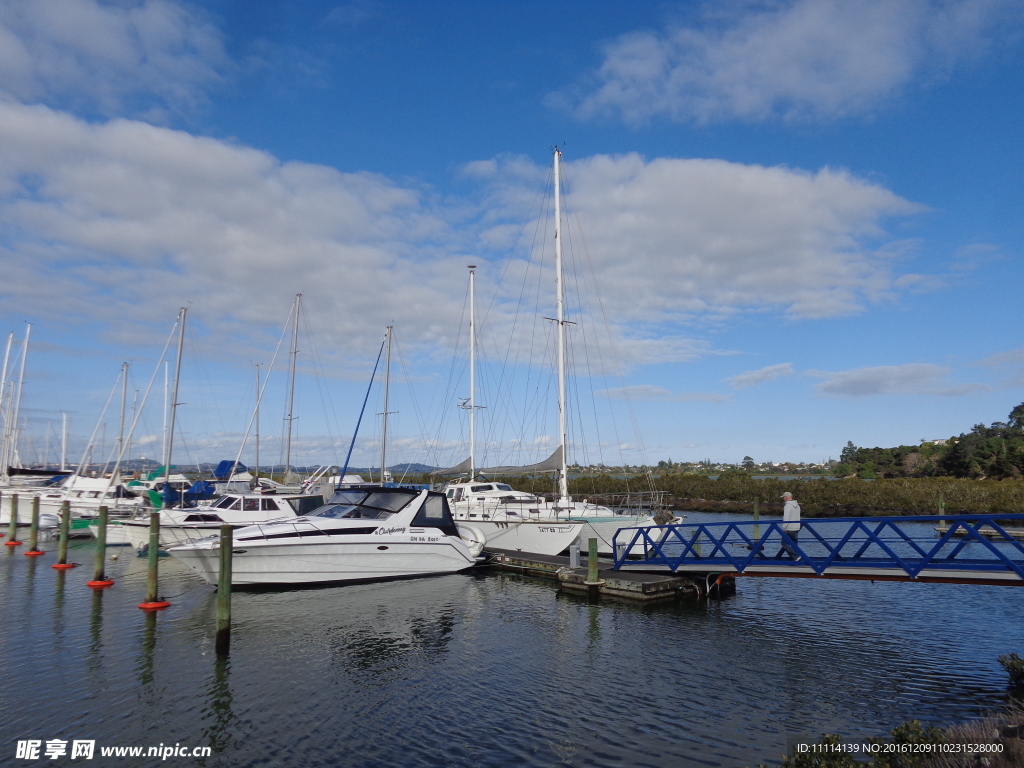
<point>546,537</point>
<point>320,563</point>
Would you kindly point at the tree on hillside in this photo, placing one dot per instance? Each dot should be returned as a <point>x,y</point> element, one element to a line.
<point>995,451</point>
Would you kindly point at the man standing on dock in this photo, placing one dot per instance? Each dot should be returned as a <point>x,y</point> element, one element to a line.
<point>790,524</point>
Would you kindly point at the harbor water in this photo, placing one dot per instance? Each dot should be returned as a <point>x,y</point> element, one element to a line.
<point>485,669</point>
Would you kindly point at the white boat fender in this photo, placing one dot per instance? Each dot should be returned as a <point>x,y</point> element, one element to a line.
<point>474,538</point>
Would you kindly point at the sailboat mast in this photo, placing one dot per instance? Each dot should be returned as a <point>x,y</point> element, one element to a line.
<point>120,426</point>
<point>64,442</point>
<point>5,413</point>
<point>291,388</point>
<point>174,403</point>
<point>257,365</point>
<point>472,372</point>
<point>387,386</point>
<point>17,402</point>
<point>563,472</point>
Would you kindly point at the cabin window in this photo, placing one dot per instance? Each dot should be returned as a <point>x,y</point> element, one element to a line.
<point>502,487</point>
<point>251,505</point>
<point>480,488</point>
<point>451,492</point>
<point>336,510</point>
<point>223,503</point>
<point>388,500</point>
<point>433,508</point>
<point>269,505</point>
<point>307,505</point>
<point>436,514</point>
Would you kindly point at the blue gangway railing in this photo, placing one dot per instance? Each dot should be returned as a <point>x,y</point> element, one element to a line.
<point>951,548</point>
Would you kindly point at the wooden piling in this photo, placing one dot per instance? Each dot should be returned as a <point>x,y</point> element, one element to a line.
<point>12,532</point>
<point>62,548</point>
<point>942,511</point>
<point>757,518</point>
<point>99,578</point>
<point>153,601</point>
<point>594,580</point>
<point>223,642</point>
<point>33,531</point>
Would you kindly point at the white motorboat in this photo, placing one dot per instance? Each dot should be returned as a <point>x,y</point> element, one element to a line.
<point>178,526</point>
<point>362,534</point>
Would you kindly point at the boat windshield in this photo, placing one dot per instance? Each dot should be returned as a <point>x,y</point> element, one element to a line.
<point>372,505</point>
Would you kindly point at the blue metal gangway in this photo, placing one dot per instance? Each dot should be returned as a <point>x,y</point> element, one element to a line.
<point>976,549</point>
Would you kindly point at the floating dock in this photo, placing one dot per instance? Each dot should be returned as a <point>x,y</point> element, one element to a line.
<point>622,585</point>
<point>987,531</point>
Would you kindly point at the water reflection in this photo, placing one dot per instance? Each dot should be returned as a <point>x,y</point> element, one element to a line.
<point>144,664</point>
<point>96,631</point>
<point>218,715</point>
<point>59,583</point>
<point>388,645</point>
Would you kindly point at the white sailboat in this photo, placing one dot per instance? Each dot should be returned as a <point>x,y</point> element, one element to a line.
<point>497,508</point>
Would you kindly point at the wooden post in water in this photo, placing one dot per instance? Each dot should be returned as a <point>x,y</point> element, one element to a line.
<point>12,532</point>
<point>62,549</point>
<point>153,601</point>
<point>33,531</point>
<point>942,511</point>
<point>594,580</point>
<point>757,518</point>
<point>99,578</point>
<point>223,643</point>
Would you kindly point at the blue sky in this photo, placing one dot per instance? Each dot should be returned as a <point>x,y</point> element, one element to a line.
<point>803,216</point>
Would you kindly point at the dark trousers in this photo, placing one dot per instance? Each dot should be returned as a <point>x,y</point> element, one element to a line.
<point>787,547</point>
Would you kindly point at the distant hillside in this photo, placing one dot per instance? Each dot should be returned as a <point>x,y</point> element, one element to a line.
<point>995,451</point>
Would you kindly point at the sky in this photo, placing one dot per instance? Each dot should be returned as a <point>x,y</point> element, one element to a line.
<point>800,222</point>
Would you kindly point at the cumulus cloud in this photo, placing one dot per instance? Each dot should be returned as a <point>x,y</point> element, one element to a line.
<point>796,60</point>
<point>141,57</point>
<point>125,221</point>
<point>770,373</point>
<point>909,379</point>
<point>674,239</point>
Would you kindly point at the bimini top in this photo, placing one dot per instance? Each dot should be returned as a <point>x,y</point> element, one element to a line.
<point>379,503</point>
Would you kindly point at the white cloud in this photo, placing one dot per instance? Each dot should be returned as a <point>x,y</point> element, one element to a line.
<point>143,57</point>
<point>1010,364</point>
<point>909,379</point>
<point>671,240</point>
<point>127,221</point>
<point>770,373</point>
<point>797,59</point>
<point>640,392</point>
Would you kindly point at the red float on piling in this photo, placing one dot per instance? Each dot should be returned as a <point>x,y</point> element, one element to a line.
<point>33,553</point>
<point>158,605</point>
<point>12,543</point>
<point>102,584</point>
<point>64,566</point>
